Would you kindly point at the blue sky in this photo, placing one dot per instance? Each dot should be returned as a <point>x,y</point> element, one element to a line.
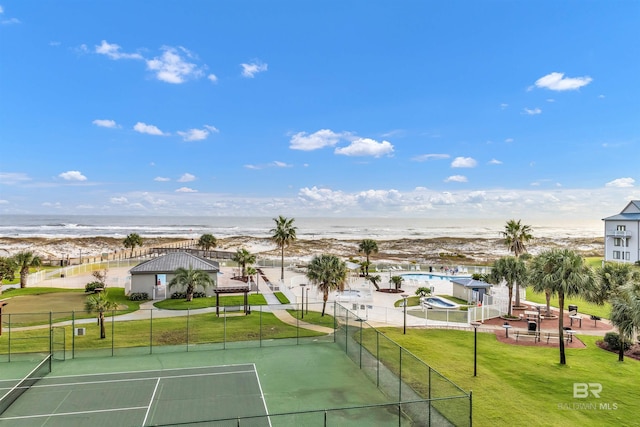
<point>491,109</point>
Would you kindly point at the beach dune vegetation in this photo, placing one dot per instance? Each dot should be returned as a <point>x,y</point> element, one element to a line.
<point>328,273</point>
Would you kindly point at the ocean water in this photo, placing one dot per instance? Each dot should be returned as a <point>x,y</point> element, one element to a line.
<point>58,226</point>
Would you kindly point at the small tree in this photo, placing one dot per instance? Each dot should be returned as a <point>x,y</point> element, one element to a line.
<point>207,241</point>
<point>131,241</point>
<point>101,277</point>
<point>283,235</point>
<point>24,261</point>
<point>99,303</point>
<point>516,235</point>
<point>423,291</point>
<point>397,281</point>
<point>510,270</point>
<point>189,279</point>
<point>327,272</point>
<point>374,280</point>
<point>368,247</point>
<point>7,270</point>
<point>243,257</point>
<point>251,271</point>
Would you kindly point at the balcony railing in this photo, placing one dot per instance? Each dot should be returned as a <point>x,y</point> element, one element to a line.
<point>619,233</point>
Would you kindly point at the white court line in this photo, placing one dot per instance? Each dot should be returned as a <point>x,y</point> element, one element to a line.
<point>73,413</point>
<point>151,402</point>
<point>264,402</point>
<point>126,380</point>
<point>147,371</point>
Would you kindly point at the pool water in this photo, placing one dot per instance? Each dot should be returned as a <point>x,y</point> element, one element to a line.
<point>424,277</point>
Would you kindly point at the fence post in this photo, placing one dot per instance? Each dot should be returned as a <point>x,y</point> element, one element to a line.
<point>113,331</point>
<point>188,315</point>
<point>73,334</point>
<point>150,331</point>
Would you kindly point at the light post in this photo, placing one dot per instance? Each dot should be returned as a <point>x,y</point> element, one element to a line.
<point>404,328</point>
<point>302,285</point>
<point>307,300</point>
<point>2,304</point>
<point>475,346</point>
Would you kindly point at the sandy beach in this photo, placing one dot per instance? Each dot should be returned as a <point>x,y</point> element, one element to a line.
<point>439,251</point>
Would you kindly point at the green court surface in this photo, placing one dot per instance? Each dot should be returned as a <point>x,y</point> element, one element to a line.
<point>190,388</point>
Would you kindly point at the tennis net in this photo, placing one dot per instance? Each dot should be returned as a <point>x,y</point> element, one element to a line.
<point>25,384</point>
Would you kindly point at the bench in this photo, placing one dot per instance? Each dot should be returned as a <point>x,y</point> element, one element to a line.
<point>527,334</point>
<point>568,336</point>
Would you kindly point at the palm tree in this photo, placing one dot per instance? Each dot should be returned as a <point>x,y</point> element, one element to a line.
<point>625,315</point>
<point>368,247</point>
<point>250,273</point>
<point>510,270</point>
<point>374,280</point>
<point>516,235</point>
<point>24,261</point>
<point>243,257</point>
<point>563,273</point>
<point>189,279</point>
<point>283,235</point>
<point>423,291</point>
<point>131,241</point>
<point>619,284</point>
<point>328,273</point>
<point>207,241</point>
<point>397,281</point>
<point>99,303</point>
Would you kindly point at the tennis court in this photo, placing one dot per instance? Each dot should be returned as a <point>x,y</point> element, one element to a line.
<point>144,398</point>
<point>271,386</point>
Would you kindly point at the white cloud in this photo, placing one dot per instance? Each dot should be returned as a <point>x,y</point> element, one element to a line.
<point>148,129</point>
<point>72,176</point>
<point>532,112</point>
<point>281,164</point>
<point>113,51</point>
<point>194,134</point>
<point>212,129</point>
<point>320,139</point>
<point>187,177</point>
<point>251,69</point>
<point>621,183</point>
<point>456,178</point>
<point>366,147</point>
<point>10,178</point>
<point>464,162</point>
<point>504,105</point>
<point>558,82</point>
<point>173,66</point>
<point>213,78</point>
<point>495,162</point>
<point>119,200</point>
<point>186,190</point>
<point>105,123</point>
<point>161,179</point>
<point>425,157</point>
<point>509,140</point>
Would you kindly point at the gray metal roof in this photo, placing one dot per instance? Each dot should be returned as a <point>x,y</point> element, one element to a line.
<point>171,262</point>
<point>627,216</point>
<point>471,283</point>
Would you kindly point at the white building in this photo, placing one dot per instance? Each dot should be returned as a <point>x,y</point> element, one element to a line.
<point>622,235</point>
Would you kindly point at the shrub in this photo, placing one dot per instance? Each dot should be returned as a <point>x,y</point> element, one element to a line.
<point>183,295</point>
<point>139,296</point>
<point>423,291</point>
<point>613,341</point>
<point>91,287</point>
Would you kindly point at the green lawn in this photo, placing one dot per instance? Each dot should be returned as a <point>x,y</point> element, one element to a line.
<point>584,307</point>
<point>520,385</point>
<point>314,317</point>
<point>282,298</point>
<point>225,301</point>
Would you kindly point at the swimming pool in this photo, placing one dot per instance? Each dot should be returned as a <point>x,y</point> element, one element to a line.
<point>438,302</point>
<point>423,277</point>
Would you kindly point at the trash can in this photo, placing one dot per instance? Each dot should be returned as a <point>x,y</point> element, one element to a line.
<point>573,307</point>
<point>532,326</point>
